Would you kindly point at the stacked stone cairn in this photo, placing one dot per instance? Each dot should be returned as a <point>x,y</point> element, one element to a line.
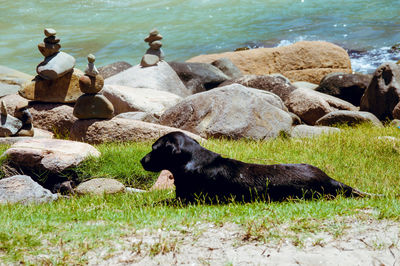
<point>154,54</point>
<point>57,79</point>
<point>18,125</point>
<point>92,105</point>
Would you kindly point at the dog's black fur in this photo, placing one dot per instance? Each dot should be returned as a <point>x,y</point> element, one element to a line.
<point>199,172</point>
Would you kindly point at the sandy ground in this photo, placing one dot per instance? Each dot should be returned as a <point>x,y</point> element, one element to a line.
<point>367,242</point>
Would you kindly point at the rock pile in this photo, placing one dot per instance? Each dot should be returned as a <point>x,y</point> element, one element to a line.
<point>57,80</point>
<point>92,105</point>
<point>18,125</point>
<point>154,54</point>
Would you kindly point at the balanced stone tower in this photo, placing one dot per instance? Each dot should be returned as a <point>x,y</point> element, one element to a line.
<point>57,80</point>
<point>92,105</point>
<point>154,54</point>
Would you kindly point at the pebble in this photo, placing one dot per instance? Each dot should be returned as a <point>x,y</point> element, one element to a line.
<point>156,45</point>
<point>91,69</point>
<point>157,52</point>
<point>49,32</point>
<point>51,40</point>
<point>48,49</point>
<point>91,85</point>
<point>154,32</point>
<point>152,38</point>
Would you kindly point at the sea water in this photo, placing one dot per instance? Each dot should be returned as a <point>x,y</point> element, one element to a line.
<point>114,30</point>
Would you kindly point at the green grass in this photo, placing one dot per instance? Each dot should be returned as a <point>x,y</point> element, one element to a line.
<point>67,229</point>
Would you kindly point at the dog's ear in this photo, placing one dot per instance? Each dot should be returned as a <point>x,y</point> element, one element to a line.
<point>173,147</point>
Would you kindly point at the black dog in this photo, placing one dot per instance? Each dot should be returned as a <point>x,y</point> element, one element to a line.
<point>199,172</point>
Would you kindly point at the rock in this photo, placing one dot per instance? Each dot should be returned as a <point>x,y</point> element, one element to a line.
<point>134,190</point>
<point>311,105</point>
<point>13,101</point>
<point>269,83</point>
<point>303,61</point>
<point>51,39</point>
<point>227,67</point>
<point>91,85</point>
<point>127,99</point>
<point>350,118</point>
<point>119,130</point>
<point>12,80</point>
<point>149,60</point>
<point>161,77</point>
<point>51,155</point>
<point>22,189</point>
<point>113,69</point>
<point>305,85</point>
<point>37,133</point>
<point>57,118</point>
<point>199,77</point>
<point>233,111</point>
<point>304,131</point>
<point>93,106</point>
<point>62,90</point>
<point>99,186</point>
<point>56,66</point>
<point>152,38</point>
<point>164,181</point>
<point>91,69</point>
<point>156,52</point>
<point>9,125</point>
<point>348,87</point>
<point>50,32</point>
<point>141,116</point>
<point>49,49</point>
<point>382,94</point>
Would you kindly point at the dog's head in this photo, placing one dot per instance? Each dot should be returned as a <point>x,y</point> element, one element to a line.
<point>169,152</point>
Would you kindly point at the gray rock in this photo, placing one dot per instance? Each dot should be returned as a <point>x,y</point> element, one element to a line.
<point>52,155</point>
<point>9,125</point>
<point>127,99</point>
<point>228,68</point>
<point>149,60</point>
<point>233,111</point>
<point>56,66</point>
<point>304,131</point>
<point>199,77</point>
<point>99,186</point>
<point>382,94</point>
<point>348,87</point>
<point>311,105</point>
<point>305,85</point>
<point>113,69</point>
<point>120,130</point>
<point>141,116</point>
<point>93,106</point>
<point>22,189</point>
<point>161,77</point>
<point>274,84</point>
<point>37,133</point>
<point>350,118</point>
<point>156,52</point>
<point>12,80</point>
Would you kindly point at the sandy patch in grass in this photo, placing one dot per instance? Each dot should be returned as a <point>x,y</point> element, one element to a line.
<point>366,242</point>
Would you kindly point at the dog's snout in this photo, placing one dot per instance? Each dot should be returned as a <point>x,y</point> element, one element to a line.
<point>144,160</point>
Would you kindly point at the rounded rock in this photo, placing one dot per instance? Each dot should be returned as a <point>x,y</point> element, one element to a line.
<point>51,40</point>
<point>50,32</point>
<point>152,38</point>
<point>91,85</point>
<point>153,32</point>
<point>91,58</point>
<point>48,49</point>
<point>156,45</point>
<point>149,60</point>
<point>93,106</point>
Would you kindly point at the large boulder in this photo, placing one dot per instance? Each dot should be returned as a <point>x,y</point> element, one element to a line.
<point>350,118</point>
<point>12,80</point>
<point>160,77</point>
<point>382,94</point>
<point>233,111</point>
<point>51,155</point>
<point>61,90</point>
<point>53,117</point>
<point>128,99</point>
<point>198,77</point>
<point>348,87</point>
<point>119,130</point>
<point>303,61</point>
<point>311,105</point>
<point>274,84</point>
<point>22,189</point>
<point>113,69</point>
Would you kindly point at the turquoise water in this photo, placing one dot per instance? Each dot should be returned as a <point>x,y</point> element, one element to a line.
<point>114,29</point>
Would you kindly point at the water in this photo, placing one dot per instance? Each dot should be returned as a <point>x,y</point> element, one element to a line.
<point>114,30</point>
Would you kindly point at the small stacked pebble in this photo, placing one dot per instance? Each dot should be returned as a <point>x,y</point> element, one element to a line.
<point>154,54</point>
<point>92,105</point>
<point>56,63</point>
